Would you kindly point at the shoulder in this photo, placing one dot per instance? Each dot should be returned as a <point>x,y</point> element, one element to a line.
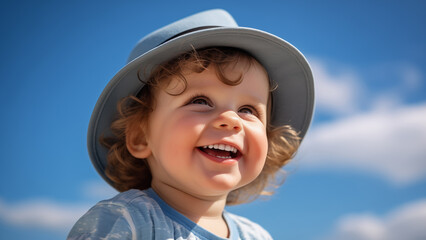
<point>131,199</point>
<point>248,229</point>
<point>115,218</point>
<point>129,205</point>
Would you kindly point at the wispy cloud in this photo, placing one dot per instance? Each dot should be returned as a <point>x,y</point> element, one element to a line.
<point>388,142</point>
<point>411,76</point>
<point>43,214</point>
<point>50,215</point>
<point>405,222</point>
<point>337,92</point>
<point>342,90</point>
<point>400,77</point>
<point>386,139</point>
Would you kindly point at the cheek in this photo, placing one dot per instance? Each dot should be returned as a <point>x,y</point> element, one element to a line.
<point>258,148</point>
<point>177,136</point>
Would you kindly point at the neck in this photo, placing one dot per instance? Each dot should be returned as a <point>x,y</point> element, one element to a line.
<point>205,211</point>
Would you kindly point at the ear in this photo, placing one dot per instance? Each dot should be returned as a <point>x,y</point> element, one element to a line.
<point>136,143</point>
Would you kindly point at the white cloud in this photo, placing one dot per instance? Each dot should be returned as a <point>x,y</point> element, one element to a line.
<point>397,76</point>
<point>370,132</point>
<point>341,90</point>
<point>406,222</point>
<point>50,215</point>
<point>388,142</point>
<point>336,92</point>
<point>42,214</point>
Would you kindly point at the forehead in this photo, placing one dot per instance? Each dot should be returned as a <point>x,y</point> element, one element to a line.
<point>244,75</point>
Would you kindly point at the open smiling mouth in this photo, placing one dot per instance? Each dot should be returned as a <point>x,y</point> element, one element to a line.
<point>221,151</point>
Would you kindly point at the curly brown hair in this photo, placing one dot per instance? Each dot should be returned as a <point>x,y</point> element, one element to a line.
<point>127,172</point>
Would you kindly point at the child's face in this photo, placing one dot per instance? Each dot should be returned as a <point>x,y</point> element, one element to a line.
<point>183,127</point>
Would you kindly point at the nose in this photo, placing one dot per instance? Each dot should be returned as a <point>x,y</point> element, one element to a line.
<point>228,120</point>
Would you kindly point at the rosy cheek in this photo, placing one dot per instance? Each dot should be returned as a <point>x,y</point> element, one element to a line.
<point>181,133</point>
<point>259,144</point>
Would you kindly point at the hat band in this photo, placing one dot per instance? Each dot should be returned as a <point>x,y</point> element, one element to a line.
<point>187,31</point>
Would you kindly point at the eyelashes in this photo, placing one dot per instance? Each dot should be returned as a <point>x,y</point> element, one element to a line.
<point>248,110</point>
<point>200,99</point>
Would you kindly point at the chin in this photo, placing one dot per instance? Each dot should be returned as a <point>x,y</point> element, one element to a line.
<point>224,184</point>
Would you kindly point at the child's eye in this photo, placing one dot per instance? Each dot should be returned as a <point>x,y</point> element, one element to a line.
<point>201,100</point>
<point>248,110</point>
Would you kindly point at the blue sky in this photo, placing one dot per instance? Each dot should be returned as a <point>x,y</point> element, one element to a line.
<point>361,171</point>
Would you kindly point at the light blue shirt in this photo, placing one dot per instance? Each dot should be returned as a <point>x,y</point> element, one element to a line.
<point>136,214</point>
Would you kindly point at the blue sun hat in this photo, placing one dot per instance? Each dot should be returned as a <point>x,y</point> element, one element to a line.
<point>292,101</point>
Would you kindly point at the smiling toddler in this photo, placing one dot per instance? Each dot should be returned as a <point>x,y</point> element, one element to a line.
<point>208,113</point>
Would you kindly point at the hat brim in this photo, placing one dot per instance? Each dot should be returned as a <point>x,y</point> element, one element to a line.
<point>293,100</point>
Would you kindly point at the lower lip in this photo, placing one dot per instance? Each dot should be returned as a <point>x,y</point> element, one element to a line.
<point>227,161</point>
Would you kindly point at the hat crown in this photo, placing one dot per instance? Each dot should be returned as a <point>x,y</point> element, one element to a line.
<point>206,19</point>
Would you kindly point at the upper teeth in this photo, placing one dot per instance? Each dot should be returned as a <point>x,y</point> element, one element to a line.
<point>223,147</point>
